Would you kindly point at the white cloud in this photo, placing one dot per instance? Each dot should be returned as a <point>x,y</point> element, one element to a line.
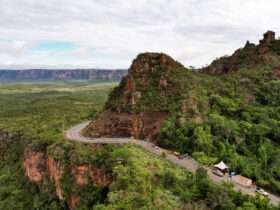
<point>111,33</point>
<point>14,47</point>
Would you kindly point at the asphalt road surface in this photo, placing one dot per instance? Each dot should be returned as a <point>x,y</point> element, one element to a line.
<point>74,134</point>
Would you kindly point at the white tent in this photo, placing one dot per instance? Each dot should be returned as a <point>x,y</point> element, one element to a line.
<point>221,165</point>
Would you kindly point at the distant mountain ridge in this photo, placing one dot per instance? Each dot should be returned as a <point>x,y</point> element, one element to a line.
<point>62,74</point>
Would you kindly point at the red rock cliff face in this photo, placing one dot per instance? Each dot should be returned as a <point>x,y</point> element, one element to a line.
<point>40,167</point>
<point>88,174</point>
<point>140,126</point>
<point>80,174</point>
<point>54,174</point>
<point>121,117</point>
<point>34,163</point>
<point>43,169</point>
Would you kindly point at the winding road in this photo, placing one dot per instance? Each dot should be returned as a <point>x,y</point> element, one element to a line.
<point>74,134</point>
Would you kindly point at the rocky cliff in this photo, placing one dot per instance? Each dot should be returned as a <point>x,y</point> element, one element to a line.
<point>62,179</point>
<point>140,104</point>
<point>266,52</point>
<point>58,170</point>
<point>157,88</point>
<point>62,74</point>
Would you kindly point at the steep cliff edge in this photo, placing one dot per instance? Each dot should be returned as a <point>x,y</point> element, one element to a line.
<point>67,174</point>
<point>50,170</point>
<point>141,103</point>
<point>159,89</point>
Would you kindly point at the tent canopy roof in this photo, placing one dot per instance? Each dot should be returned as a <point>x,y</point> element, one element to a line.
<point>221,165</point>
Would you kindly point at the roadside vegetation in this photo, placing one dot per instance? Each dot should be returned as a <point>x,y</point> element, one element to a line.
<point>140,180</point>
<point>234,118</point>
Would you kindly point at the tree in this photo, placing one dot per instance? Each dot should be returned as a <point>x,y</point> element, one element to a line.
<point>202,182</point>
<point>203,139</point>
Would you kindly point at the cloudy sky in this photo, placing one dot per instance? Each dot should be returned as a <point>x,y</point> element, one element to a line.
<point>109,34</point>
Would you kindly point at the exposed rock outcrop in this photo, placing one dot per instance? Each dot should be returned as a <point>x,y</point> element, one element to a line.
<point>88,174</point>
<point>43,169</point>
<point>249,55</point>
<point>80,174</point>
<point>142,125</point>
<point>73,201</point>
<point>34,164</point>
<point>55,172</point>
<point>124,113</point>
<point>139,106</point>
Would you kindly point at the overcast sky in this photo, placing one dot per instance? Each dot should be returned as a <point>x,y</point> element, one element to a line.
<point>110,33</point>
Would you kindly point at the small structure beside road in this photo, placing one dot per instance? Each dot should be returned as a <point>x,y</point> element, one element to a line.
<point>220,169</point>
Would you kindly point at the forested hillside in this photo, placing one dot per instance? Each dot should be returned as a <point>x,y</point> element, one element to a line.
<point>40,170</point>
<point>227,111</point>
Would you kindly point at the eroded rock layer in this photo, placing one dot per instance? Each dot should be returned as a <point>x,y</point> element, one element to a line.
<point>128,112</point>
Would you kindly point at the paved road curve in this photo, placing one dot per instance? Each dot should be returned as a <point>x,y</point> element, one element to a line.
<point>74,134</point>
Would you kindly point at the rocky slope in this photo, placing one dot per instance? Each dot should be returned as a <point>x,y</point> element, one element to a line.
<point>128,112</point>
<point>157,86</point>
<point>45,171</point>
<point>63,74</point>
<point>227,111</point>
<point>266,52</point>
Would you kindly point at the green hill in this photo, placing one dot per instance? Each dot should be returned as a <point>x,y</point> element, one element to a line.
<point>228,110</point>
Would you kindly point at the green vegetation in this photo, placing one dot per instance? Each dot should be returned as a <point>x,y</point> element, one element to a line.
<point>232,117</point>
<point>44,110</point>
<point>41,112</point>
<point>146,182</point>
<point>139,179</point>
<point>240,124</point>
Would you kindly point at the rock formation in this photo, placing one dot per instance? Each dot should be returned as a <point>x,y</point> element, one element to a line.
<point>125,113</point>
<point>43,169</point>
<point>249,55</point>
<point>157,85</point>
<point>55,172</point>
<point>34,163</point>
